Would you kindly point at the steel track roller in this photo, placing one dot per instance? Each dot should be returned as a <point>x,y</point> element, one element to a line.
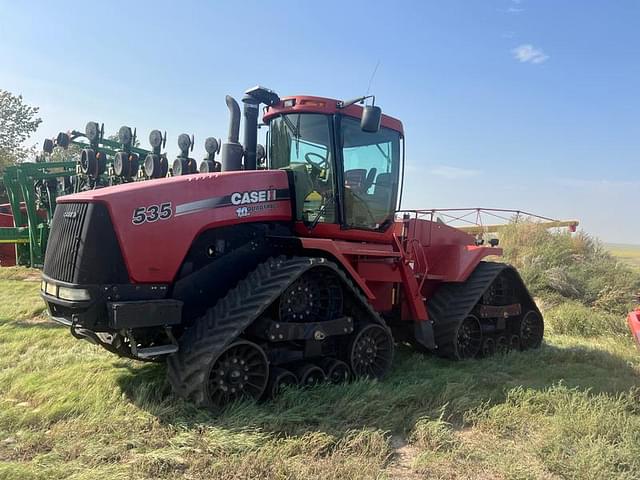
<point>309,375</point>
<point>280,378</point>
<point>335,370</point>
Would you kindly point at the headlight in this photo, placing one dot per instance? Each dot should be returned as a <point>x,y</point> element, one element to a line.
<point>74,294</point>
<point>50,289</point>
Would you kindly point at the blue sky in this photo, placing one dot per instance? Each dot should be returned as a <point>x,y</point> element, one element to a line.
<point>524,104</point>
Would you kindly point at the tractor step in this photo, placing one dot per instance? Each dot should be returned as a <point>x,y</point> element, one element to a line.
<point>151,352</point>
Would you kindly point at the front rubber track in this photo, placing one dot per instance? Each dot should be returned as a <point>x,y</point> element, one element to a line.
<point>201,343</point>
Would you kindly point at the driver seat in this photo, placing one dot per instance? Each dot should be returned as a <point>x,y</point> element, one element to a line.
<point>303,186</point>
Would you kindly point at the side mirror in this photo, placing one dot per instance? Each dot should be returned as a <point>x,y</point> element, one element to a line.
<point>371,116</point>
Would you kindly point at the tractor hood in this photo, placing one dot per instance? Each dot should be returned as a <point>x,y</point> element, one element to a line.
<point>169,214</point>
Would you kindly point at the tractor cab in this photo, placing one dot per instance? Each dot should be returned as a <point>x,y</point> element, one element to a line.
<point>344,160</point>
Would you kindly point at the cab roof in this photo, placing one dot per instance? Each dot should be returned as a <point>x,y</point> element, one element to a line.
<point>327,106</point>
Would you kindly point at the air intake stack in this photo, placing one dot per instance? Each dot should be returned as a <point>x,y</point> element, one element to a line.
<point>250,137</point>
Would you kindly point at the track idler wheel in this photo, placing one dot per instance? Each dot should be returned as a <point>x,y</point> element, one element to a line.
<point>371,352</point>
<point>514,343</point>
<point>241,371</point>
<point>280,378</point>
<point>531,330</point>
<point>335,370</point>
<point>468,338</point>
<point>309,375</point>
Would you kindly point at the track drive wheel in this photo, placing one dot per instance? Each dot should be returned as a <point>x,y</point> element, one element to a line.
<point>240,371</point>
<point>531,330</point>
<point>371,352</point>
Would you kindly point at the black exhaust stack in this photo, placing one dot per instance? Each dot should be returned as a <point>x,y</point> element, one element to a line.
<point>231,151</point>
<point>250,133</point>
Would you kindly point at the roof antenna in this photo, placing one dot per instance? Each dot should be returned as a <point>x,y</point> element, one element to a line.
<point>373,74</point>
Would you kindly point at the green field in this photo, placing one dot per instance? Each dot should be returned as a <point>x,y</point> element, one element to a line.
<point>70,410</point>
<point>627,253</point>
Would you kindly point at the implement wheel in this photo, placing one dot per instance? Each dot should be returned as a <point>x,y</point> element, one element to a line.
<point>371,352</point>
<point>240,371</point>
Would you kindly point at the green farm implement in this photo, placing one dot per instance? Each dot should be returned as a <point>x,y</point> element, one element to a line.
<point>89,160</point>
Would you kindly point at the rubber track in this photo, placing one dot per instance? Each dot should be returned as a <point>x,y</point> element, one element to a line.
<point>454,301</point>
<point>187,370</point>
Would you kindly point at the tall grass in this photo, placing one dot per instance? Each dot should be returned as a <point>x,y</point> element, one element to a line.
<point>587,290</point>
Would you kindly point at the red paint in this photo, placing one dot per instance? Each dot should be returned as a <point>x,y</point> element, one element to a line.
<point>440,253</point>
<point>7,250</point>
<point>633,320</point>
<point>327,106</point>
<point>8,257</point>
<point>416,254</point>
<point>153,252</point>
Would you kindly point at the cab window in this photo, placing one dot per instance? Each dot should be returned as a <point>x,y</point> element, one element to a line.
<point>371,163</point>
<point>301,143</point>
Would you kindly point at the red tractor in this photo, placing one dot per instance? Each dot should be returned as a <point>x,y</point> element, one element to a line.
<point>290,266</point>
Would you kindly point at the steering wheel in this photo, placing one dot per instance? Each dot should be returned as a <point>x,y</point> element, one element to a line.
<point>319,165</point>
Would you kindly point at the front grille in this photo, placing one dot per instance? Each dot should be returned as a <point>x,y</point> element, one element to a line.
<point>64,241</point>
<point>82,247</point>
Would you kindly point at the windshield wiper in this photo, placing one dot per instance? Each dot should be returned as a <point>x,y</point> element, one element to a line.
<point>295,131</point>
<point>321,211</point>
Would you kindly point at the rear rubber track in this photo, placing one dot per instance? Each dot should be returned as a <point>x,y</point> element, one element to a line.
<point>453,302</point>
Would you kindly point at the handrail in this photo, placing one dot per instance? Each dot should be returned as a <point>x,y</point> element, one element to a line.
<point>477,225</point>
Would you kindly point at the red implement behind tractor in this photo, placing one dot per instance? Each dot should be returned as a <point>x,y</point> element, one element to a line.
<point>633,320</point>
<point>291,267</point>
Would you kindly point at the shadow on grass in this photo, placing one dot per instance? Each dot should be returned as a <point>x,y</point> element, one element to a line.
<point>34,323</point>
<point>418,386</point>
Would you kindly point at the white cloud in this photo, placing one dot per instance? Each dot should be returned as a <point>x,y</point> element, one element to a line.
<point>446,171</point>
<point>528,53</point>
